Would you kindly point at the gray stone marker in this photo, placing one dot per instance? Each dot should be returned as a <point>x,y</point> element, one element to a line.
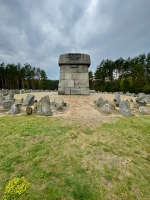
<point>100,102</point>
<point>15,109</point>
<point>124,108</point>
<point>117,99</point>
<point>10,96</point>
<point>106,108</point>
<point>141,99</point>
<point>142,102</point>
<point>1,99</point>
<point>59,106</point>
<point>29,110</point>
<point>147,98</point>
<point>29,101</point>
<point>74,77</point>
<point>44,106</point>
<point>5,92</point>
<point>142,111</point>
<point>7,104</point>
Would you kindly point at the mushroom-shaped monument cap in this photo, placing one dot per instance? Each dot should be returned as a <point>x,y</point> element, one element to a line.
<point>74,58</point>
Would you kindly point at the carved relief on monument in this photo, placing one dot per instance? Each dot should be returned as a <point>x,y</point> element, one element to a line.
<point>74,56</point>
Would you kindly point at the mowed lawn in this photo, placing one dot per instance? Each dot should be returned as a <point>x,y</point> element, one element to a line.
<point>111,161</point>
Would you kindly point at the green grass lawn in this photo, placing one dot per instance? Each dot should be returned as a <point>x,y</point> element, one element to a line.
<point>111,161</point>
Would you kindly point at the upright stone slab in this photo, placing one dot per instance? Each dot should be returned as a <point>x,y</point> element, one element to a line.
<point>1,99</point>
<point>44,106</point>
<point>73,77</point>
<point>142,111</point>
<point>15,109</point>
<point>124,108</point>
<point>106,108</point>
<point>29,101</point>
<point>29,110</point>
<point>100,102</point>
<point>117,99</point>
<point>7,104</point>
<point>140,98</point>
<point>10,96</point>
<point>147,98</point>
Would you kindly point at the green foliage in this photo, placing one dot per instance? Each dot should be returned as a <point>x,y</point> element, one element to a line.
<point>124,85</point>
<point>91,80</point>
<point>123,75</point>
<point>15,76</point>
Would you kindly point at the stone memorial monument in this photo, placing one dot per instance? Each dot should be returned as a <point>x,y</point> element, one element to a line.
<point>74,77</point>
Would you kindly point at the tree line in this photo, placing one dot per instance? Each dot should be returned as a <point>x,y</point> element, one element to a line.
<point>132,74</point>
<point>15,76</point>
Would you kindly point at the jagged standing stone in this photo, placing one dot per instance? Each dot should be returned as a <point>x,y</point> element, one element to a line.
<point>147,98</point>
<point>5,92</point>
<point>44,106</point>
<point>124,108</point>
<point>140,98</point>
<point>142,111</point>
<point>117,99</point>
<point>7,104</point>
<point>142,102</point>
<point>29,110</point>
<point>29,101</point>
<point>100,102</point>
<point>1,99</point>
<point>106,108</point>
<point>10,96</point>
<point>59,106</point>
<point>15,109</point>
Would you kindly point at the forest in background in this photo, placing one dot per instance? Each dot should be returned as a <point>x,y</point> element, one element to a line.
<point>132,74</point>
<point>24,77</point>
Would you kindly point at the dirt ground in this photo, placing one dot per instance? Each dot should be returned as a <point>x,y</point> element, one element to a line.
<point>80,108</point>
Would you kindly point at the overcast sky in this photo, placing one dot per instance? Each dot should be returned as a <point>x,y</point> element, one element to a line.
<point>38,31</point>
